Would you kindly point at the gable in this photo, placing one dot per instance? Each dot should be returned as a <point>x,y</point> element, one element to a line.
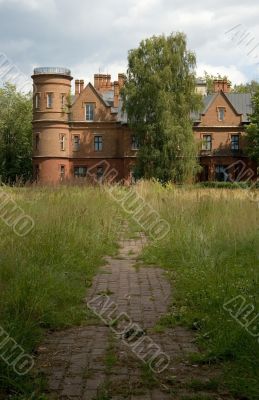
<point>102,112</point>
<point>211,117</point>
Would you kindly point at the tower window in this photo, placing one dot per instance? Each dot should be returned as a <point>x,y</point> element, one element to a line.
<point>36,172</point>
<point>49,100</point>
<point>221,113</point>
<point>89,112</point>
<point>63,100</point>
<point>76,142</point>
<point>62,172</point>
<point>37,141</point>
<point>37,100</point>
<point>62,142</point>
<point>206,143</point>
<point>98,143</point>
<point>234,142</point>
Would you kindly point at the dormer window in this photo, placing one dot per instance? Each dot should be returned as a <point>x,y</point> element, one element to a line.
<point>89,112</point>
<point>221,113</point>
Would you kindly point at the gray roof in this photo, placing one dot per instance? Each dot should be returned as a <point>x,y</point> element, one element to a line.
<point>108,97</point>
<point>241,102</point>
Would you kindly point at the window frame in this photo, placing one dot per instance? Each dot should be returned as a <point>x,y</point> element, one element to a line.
<point>76,145</point>
<point>205,142</point>
<point>37,101</point>
<point>221,170</point>
<point>36,172</point>
<point>37,141</point>
<point>219,113</point>
<point>62,140</point>
<point>50,96</point>
<point>63,98</point>
<point>89,115</point>
<point>100,173</point>
<point>135,145</point>
<point>83,167</point>
<point>235,144</point>
<point>62,171</point>
<point>98,143</point>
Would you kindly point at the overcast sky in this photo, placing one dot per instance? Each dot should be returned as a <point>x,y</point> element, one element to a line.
<point>92,36</point>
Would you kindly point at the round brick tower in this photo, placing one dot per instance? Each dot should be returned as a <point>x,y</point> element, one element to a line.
<point>51,107</point>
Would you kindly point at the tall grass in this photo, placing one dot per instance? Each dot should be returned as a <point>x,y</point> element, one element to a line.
<point>44,275</point>
<point>211,255</point>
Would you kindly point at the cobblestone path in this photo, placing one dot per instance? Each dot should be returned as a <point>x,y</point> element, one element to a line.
<point>92,362</point>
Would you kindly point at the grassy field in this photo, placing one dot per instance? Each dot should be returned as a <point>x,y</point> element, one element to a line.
<point>44,275</point>
<point>212,256</point>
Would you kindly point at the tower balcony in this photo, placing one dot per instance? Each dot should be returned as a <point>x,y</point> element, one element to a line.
<point>52,70</point>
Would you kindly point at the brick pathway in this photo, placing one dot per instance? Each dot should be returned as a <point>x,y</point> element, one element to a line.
<point>93,362</point>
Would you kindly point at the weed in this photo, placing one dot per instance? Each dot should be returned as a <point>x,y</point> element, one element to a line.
<point>44,275</point>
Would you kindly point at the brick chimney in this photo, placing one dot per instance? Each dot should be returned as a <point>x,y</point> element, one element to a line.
<point>116,89</point>
<point>77,87</point>
<point>108,82</point>
<point>102,82</point>
<point>96,81</point>
<point>121,79</point>
<point>221,85</point>
<point>82,84</point>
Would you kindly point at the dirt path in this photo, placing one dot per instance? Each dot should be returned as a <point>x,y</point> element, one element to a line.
<point>96,362</point>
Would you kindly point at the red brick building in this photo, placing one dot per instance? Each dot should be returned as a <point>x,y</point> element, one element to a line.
<point>88,131</point>
<point>220,129</point>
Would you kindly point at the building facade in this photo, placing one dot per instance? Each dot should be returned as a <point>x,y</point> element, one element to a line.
<point>220,130</point>
<point>88,131</point>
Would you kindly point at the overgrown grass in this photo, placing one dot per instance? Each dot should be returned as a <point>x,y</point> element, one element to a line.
<point>211,255</point>
<point>44,275</point>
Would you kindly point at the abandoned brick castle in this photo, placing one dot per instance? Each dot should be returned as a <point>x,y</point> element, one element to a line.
<point>70,139</point>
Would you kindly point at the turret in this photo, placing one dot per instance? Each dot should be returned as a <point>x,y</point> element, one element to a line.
<point>51,106</point>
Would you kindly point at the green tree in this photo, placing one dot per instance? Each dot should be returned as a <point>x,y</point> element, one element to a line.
<point>253,130</point>
<point>159,96</point>
<point>249,87</point>
<point>15,134</point>
<point>210,78</point>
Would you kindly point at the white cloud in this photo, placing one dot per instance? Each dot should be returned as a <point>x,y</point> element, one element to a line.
<point>86,36</point>
<point>231,72</point>
<point>31,4</point>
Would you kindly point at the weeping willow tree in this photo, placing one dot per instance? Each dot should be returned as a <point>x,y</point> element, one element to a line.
<point>159,96</point>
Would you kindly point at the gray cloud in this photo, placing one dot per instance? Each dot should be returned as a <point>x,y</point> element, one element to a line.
<point>88,36</point>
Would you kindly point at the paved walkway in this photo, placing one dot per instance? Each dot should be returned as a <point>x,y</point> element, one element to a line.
<point>96,362</point>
